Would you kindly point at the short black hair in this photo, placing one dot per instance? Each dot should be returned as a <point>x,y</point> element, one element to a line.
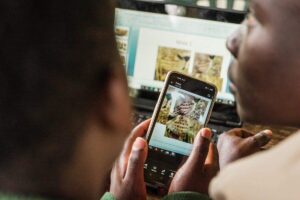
<point>54,57</point>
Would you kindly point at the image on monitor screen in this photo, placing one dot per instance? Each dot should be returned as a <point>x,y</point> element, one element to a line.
<point>171,59</point>
<point>152,44</point>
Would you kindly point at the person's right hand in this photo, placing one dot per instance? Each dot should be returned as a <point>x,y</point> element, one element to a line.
<point>199,169</point>
<point>238,143</point>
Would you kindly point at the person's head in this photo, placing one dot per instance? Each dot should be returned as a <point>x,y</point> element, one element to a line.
<point>266,73</point>
<point>64,108</point>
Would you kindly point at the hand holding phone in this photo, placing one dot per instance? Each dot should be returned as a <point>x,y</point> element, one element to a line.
<point>183,108</point>
<point>199,169</point>
<point>127,177</point>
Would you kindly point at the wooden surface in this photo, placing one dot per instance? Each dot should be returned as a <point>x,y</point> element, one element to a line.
<point>279,133</point>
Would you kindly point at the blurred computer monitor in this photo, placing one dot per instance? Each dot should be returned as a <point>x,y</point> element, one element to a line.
<point>153,39</point>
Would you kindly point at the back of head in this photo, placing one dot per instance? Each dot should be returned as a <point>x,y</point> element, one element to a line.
<point>54,55</point>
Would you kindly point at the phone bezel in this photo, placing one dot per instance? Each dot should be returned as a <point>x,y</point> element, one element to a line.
<point>155,184</point>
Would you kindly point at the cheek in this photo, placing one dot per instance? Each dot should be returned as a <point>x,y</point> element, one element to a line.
<point>122,119</point>
<point>251,76</point>
<point>256,56</point>
<point>125,112</point>
<point>266,77</point>
<point>120,111</point>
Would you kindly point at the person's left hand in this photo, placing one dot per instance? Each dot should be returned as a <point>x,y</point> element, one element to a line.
<point>127,176</point>
<point>239,143</point>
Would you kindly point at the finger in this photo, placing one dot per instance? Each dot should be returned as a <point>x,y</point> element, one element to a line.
<point>200,148</point>
<point>115,173</point>
<point>137,158</point>
<point>138,131</point>
<point>263,138</point>
<point>212,161</point>
<point>141,129</point>
<point>259,140</point>
<point>212,155</point>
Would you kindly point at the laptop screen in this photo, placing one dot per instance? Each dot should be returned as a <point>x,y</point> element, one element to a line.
<point>152,44</point>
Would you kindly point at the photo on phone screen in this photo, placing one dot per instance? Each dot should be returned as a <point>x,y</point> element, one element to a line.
<point>183,109</point>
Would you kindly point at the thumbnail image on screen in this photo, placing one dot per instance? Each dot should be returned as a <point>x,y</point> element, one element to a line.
<point>171,59</point>
<point>122,37</point>
<point>208,68</point>
<point>181,115</point>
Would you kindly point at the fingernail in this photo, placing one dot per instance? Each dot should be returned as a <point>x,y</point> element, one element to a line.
<point>263,137</point>
<point>206,133</point>
<point>268,133</point>
<point>139,144</point>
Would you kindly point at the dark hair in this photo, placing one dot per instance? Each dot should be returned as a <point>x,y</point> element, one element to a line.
<point>54,57</point>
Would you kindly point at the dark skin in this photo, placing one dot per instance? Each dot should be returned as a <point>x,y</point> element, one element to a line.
<point>265,81</point>
<point>255,81</point>
<point>267,63</point>
<point>202,162</point>
<point>266,66</point>
<point>127,177</point>
<point>238,143</point>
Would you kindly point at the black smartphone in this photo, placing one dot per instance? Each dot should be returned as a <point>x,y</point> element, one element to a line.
<point>183,108</point>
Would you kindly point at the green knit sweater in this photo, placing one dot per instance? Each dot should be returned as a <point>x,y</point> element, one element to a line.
<point>174,196</point>
<point>109,196</point>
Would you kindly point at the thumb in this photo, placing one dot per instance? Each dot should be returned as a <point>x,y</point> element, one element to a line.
<point>260,139</point>
<point>200,148</point>
<point>137,158</point>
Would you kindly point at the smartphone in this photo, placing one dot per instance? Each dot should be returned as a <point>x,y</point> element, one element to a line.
<point>183,108</point>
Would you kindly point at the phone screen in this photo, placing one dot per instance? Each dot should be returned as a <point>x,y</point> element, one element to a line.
<point>183,109</point>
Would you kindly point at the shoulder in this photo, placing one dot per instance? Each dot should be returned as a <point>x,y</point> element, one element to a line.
<point>262,175</point>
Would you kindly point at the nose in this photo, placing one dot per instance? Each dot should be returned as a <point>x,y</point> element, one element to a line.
<point>234,41</point>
